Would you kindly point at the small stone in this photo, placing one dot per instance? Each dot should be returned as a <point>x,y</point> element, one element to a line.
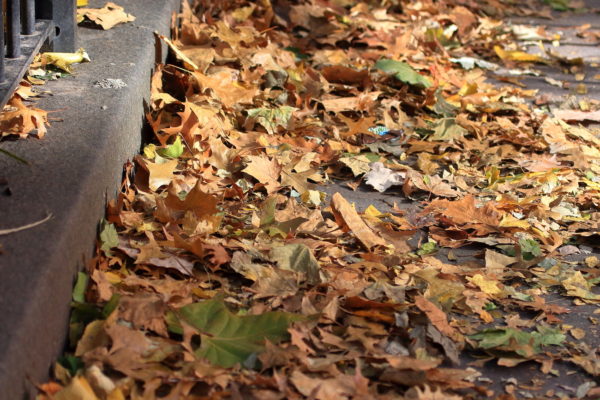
<point>585,249</point>
<point>110,83</point>
<point>568,250</point>
<point>104,107</point>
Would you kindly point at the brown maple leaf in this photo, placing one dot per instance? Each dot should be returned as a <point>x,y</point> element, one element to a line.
<point>265,170</point>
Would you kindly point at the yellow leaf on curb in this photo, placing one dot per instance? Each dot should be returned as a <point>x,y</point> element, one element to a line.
<point>107,17</point>
<point>65,60</point>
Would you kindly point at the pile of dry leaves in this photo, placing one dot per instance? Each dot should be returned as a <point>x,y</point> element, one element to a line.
<point>222,271</point>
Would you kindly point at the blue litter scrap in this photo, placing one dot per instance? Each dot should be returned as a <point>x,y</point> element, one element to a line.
<point>379,130</point>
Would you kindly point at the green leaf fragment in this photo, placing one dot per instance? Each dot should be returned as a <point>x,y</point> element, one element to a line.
<point>530,248</point>
<point>525,344</point>
<point>442,107</point>
<point>297,257</point>
<point>228,339</point>
<point>403,72</point>
<point>271,118</point>
<point>559,5</point>
<point>108,237</point>
<point>80,286</point>
<point>71,363</point>
<point>427,248</point>
<point>173,150</point>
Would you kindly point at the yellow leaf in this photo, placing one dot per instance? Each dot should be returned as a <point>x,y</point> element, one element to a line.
<point>467,89</point>
<point>515,55</point>
<point>577,286</point>
<point>313,197</point>
<point>486,285</point>
<point>371,211</point>
<point>65,60</point>
<point>508,221</point>
<point>82,3</point>
<point>78,389</point>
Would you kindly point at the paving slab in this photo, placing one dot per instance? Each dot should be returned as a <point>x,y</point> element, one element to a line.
<point>71,172</point>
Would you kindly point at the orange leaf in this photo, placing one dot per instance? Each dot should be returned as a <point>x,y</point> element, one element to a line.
<point>437,317</point>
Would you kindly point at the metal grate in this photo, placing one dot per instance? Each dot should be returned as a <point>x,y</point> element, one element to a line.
<point>29,25</point>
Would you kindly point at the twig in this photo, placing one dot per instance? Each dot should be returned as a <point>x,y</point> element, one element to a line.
<point>24,227</point>
<point>16,157</point>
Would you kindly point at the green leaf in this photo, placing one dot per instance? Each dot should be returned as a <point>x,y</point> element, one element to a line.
<point>228,339</point>
<point>271,118</point>
<point>108,236</point>
<point>547,336</point>
<point>403,72</point>
<point>71,363</point>
<point>530,247</point>
<point>80,286</point>
<point>297,257</point>
<point>111,305</point>
<point>525,344</point>
<point>559,5</point>
<point>427,248</point>
<point>173,150</point>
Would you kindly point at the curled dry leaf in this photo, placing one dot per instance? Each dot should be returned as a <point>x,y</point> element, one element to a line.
<point>106,17</point>
<point>349,220</point>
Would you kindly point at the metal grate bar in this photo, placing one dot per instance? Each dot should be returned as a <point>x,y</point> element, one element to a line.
<point>2,53</point>
<point>13,45</point>
<point>28,14</point>
<point>29,24</point>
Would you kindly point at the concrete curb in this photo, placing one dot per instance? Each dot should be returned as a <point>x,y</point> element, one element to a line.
<point>73,168</point>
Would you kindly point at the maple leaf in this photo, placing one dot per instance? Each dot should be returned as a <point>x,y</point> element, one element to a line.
<point>107,17</point>
<point>228,339</point>
<point>466,214</point>
<point>18,119</point>
<point>160,172</point>
<point>265,170</point>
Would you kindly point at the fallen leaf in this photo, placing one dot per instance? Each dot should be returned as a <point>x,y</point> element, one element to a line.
<point>265,170</point>
<point>228,339</point>
<point>437,317</point>
<point>64,61</point>
<point>382,178</point>
<point>107,17</point>
<point>349,220</point>
<point>403,72</point>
